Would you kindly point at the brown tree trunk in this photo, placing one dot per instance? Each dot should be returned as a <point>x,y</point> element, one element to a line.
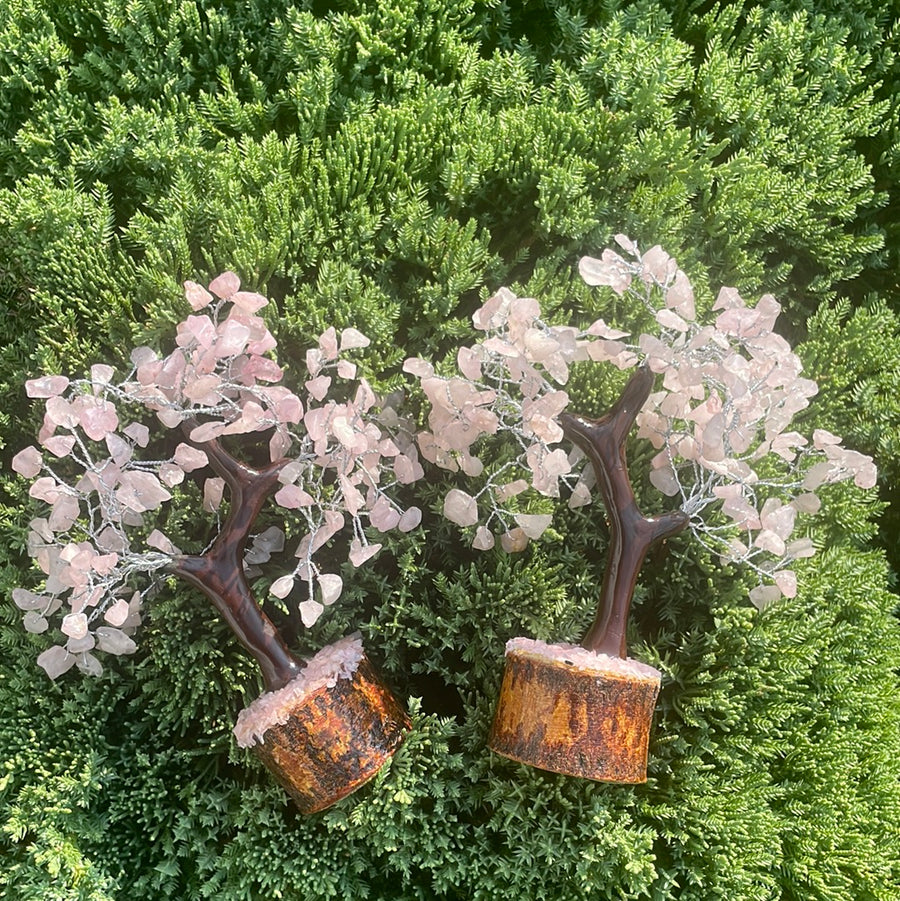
<point>219,572</point>
<point>630,532</point>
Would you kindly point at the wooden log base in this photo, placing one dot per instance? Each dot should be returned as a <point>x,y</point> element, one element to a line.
<point>571,711</point>
<point>323,740</point>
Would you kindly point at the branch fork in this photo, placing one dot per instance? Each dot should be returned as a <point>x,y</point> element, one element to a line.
<point>631,533</point>
<point>219,571</point>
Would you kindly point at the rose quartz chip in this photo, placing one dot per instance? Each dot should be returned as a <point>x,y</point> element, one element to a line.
<point>665,480</point>
<point>61,413</point>
<point>75,625</point>
<point>318,387</point>
<point>138,433</point>
<point>114,641</point>
<point>410,519</point>
<point>28,462</point>
<point>786,580</point>
<point>310,611</point>
<point>55,661</point>
<point>484,539</point>
<point>141,491</point>
<point>225,285</point>
<point>282,586</point>
<point>494,314</point>
<point>469,361</point>
<point>248,301</point>
<point>360,553</point>
<point>609,270</point>
<point>406,469</point>
<point>328,344</point>
<point>46,386</point>
<point>763,595</point>
<point>460,507</point>
<point>64,513</point>
<point>346,369</point>
<point>418,367</point>
<point>351,339</point>
<point>117,613</point>
<point>190,458</point>
<point>383,516</point>
<point>213,492</point>
<point>680,296</point>
<point>331,586</point>
<point>97,417</point>
<point>514,540</point>
<point>232,338</point>
<point>533,524</point>
<point>196,295</point>
<point>258,368</point>
<point>293,497</point>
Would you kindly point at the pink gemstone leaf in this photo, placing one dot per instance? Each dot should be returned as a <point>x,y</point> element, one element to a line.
<point>282,586</point>
<point>460,507</point>
<point>533,524</point>
<point>330,586</point>
<point>319,386</point>
<point>610,270</point>
<point>383,516</point>
<point>213,492</point>
<point>310,611</point>
<point>410,519</point>
<point>484,539</point>
<point>352,339</point>
<point>114,641</point>
<point>514,541</point>
<point>225,285</point>
<point>190,458</point>
<point>494,313</point>
<point>28,462</point>
<point>248,301</point>
<point>117,613</point>
<point>46,386</point>
<point>196,295</point>
<point>138,433</point>
<point>141,491</point>
<point>56,661</point>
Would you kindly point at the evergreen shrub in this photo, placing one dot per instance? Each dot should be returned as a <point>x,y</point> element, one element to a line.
<point>386,164</point>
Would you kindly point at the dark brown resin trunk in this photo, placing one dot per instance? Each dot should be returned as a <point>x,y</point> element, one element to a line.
<point>338,737</point>
<point>219,573</point>
<point>631,534</point>
<point>335,740</point>
<point>586,721</point>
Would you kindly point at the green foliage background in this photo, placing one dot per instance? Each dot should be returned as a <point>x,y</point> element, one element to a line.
<point>386,164</point>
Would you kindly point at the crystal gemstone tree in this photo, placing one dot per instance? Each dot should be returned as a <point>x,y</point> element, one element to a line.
<point>322,726</point>
<point>740,480</point>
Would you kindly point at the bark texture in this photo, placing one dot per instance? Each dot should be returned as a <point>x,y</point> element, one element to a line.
<point>568,719</point>
<point>335,740</point>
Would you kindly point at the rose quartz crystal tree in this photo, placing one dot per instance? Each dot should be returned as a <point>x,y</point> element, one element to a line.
<point>335,458</point>
<point>716,398</point>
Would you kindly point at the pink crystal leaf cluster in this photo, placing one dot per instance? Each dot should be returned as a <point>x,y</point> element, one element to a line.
<point>336,462</point>
<point>720,417</point>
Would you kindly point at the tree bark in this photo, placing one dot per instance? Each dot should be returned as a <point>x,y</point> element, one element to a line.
<point>631,533</point>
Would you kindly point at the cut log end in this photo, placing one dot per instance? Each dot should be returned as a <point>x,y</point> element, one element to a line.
<point>333,736</point>
<point>570,711</point>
